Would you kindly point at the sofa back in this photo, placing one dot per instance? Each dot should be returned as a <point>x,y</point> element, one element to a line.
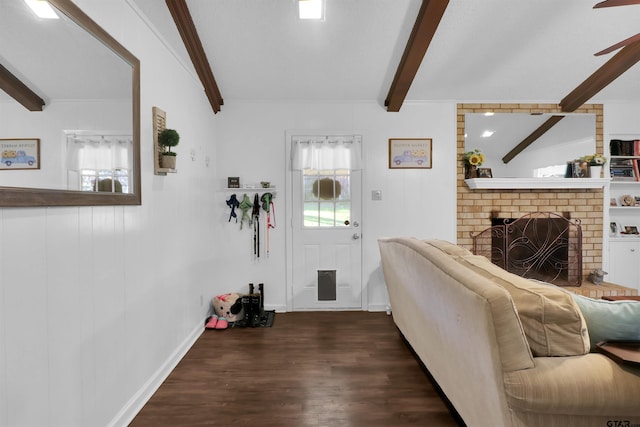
<point>462,325</point>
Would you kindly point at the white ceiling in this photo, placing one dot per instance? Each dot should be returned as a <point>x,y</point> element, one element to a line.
<point>484,50</point>
<point>488,50</point>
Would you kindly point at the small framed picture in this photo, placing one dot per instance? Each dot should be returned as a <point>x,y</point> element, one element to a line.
<point>581,170</point>
<point>613,228</point>
<point>484,173</point>
<point>410,153</point>
<point>613,202</point>
<point>22,153</point>
<point>233,182</point>
<point>630,230</point>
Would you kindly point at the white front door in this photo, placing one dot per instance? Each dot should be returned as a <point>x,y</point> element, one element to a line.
<point>326,251</point>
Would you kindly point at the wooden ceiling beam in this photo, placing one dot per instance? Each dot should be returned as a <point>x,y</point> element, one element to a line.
<point>612,3</point>
<point>603,76</point>
<point>182,18</point>
<point>425,27</point>
<point>19,91</point>
<point>542,129</point>
<point>611,70</point>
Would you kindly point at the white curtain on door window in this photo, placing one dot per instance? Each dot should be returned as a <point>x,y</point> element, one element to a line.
<point>326,153</point>
<point>99,153</point>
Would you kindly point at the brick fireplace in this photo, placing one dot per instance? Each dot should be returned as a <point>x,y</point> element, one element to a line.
<point>475,208</point>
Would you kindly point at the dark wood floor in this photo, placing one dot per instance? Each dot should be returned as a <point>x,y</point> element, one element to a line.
<point>309,369</point>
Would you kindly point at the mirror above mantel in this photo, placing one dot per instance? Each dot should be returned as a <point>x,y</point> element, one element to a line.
<point>495,135</point>
<point>90,86</point>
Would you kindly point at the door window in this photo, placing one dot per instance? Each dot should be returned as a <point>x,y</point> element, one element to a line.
<point>327,198</point>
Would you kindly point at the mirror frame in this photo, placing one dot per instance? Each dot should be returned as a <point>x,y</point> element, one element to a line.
<point>25,197</point>
<point>464,108</point>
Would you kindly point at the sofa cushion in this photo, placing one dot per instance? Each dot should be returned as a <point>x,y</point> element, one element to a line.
<point>610,320</point>
<point>590,385</point>
<point>448,247</point>
<point>551,319</point>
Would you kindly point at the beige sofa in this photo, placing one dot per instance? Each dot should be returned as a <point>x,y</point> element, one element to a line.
<point>506,351</point>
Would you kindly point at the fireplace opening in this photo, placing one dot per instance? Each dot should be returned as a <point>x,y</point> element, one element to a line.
<point>541,245</point>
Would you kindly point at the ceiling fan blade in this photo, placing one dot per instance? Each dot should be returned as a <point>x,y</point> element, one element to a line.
<point>611,3</point>
<point>619,45</point>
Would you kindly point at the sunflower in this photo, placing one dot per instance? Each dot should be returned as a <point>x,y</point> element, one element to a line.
<point>474,158</point>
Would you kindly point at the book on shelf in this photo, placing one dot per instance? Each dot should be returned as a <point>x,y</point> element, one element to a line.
<point>625,169</point>
<point>624,147</point>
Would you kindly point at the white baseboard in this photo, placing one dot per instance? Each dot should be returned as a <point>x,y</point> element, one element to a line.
<point>378,307</point>
<point>139,399</point>
<point>277,308</point>
<point>283,308</point>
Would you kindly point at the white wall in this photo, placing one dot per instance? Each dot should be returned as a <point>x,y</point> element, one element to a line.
<point>421,203</point>
<point>97,303</point>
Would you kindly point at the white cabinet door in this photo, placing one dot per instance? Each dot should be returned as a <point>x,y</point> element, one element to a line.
<point>624,263</point>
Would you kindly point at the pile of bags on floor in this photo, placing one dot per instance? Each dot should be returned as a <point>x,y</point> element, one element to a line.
<point>238,310</point>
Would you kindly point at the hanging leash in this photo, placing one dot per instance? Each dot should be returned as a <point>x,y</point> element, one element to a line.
<point>256,226</point>
<point>233,204</point>
<point>269,224</point>
<point>267,205</point>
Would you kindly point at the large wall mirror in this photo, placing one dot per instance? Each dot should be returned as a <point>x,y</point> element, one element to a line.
<point>496,134</point>
<point>82,147</point>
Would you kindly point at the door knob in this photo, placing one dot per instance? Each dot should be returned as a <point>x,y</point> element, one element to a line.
<point>356,236</point>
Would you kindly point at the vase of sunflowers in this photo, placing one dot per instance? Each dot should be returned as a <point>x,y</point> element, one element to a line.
<point>472,159</point>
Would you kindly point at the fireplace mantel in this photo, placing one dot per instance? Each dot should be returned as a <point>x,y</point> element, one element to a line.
<point>534,183</point>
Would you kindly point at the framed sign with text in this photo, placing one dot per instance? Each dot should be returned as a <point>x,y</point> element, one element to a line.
<point>410,153</point>
<point>19,153</point>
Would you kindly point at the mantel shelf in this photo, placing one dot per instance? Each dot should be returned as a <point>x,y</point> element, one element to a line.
<point>534,183</point>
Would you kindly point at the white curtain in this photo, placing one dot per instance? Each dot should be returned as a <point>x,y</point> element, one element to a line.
<point>326,152</point>
<point>99,152</point>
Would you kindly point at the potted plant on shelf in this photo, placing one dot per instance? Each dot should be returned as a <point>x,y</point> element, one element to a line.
<point>596,162</point>
<point>166,139</point>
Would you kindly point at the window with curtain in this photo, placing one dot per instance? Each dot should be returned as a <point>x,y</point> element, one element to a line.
<point>99,162</point>
<point>326,152</point>
<point>326,163</point>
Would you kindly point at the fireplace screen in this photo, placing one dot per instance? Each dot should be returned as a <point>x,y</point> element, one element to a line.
<point>541,245</point>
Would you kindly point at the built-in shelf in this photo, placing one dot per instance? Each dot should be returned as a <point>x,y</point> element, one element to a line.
<point>534,183</point>
<point>619,238</point>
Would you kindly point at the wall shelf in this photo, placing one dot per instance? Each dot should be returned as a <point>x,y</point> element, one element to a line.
<point>534,183</point>
<point>259,190</point>
<point>159,124</point>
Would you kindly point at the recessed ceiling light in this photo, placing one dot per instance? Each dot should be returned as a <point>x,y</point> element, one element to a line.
<point>311,9</point>
<point>42,9</point>
<point>487,133</point>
